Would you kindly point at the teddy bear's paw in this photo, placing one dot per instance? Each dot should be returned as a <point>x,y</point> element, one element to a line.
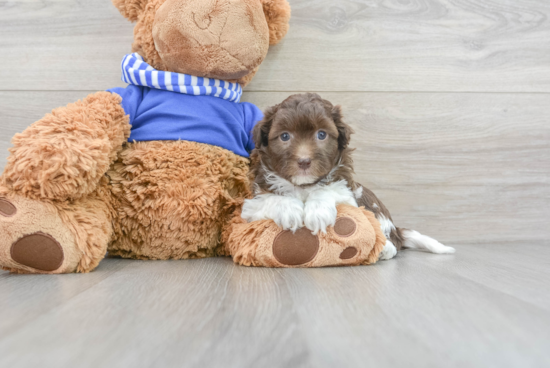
<point>388,252</point>
<point>302,248</point>
<point>33,239</point>
<point>7,209</point>
<point>295,249</point>
<point>344,228</point>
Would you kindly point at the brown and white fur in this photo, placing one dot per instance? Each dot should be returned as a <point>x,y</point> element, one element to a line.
<point>302,169</point>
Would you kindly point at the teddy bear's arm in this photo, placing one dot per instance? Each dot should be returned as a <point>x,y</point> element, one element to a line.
<point>64,155</point>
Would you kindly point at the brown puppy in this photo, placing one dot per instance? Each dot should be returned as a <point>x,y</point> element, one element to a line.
<point>302,169</point>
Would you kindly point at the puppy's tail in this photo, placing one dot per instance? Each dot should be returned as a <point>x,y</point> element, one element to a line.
<point>414,240</point>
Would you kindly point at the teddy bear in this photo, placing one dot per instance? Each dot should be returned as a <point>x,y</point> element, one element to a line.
<point>159,169</point>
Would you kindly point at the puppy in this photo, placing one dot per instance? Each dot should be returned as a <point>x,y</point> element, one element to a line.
<point>302,169</point>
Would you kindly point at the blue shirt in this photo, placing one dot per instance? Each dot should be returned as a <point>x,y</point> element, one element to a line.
<point>160,115</point>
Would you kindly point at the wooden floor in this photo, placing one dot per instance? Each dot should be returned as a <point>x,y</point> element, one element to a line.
<point>483,307</point>
<point>449,100</point>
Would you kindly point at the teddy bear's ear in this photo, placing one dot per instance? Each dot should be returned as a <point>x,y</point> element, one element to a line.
<point>277,13</point>
<point>130,9</point>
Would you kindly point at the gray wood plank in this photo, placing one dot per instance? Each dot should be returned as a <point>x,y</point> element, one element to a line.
<point>403,313</point>
<point>183,313</point>
<point>460,167</point>
<point>516,269</point>
<point>416,310</point>
<point>27,297</point>
<point>345,45</point>
<point>62,44</point>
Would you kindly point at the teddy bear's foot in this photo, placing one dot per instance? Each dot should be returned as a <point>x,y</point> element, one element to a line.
<point>302,247</point>
<point>33,239</point>
<point>295,249</point>
<point>355,239</point>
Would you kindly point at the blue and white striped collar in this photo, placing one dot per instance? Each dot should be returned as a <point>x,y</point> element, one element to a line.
<point>137,72</point>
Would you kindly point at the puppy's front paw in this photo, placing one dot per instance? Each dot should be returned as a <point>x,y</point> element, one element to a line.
<point>319,215</point>
<point>286,212</point>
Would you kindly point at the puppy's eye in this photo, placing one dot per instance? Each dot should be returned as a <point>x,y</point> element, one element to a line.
<point>285,137</point>
<point>321,135</point>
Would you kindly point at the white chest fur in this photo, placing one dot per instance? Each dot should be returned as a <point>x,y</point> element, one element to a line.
<point>292,207</point>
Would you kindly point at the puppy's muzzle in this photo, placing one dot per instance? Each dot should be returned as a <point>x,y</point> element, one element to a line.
<point>304,163</point>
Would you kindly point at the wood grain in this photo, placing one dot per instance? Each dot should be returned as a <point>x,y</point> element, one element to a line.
<point>418,310</point>
<point>464,168</point>
<point>26,297</point>
<point>243,315</point>
<point>345,45</point>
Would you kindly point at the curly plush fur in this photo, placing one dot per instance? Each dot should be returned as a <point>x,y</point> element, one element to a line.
<point>176,197</point>
<point>63,155</point>
<point>130,9</point>
<point>278,15</point>
<point>73,177</point>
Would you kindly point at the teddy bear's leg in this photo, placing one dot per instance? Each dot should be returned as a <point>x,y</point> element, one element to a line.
<point>42,236</point>
<point>54,210</point>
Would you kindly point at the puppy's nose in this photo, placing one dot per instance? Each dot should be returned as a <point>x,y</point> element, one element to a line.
<point>304,163</point>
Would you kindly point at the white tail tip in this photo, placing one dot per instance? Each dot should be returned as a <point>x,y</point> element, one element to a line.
<point>415,240</point>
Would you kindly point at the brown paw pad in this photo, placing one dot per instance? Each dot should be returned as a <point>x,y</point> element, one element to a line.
<point>345,227</point>
<point>7,209</point>
<point>39,251</point>
<point>295,249</point>
<point>348,253</point>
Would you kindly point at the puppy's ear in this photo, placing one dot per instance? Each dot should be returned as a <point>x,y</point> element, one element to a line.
<point>130,9</point>
<point>344,130</point>
<point>277,14</point>
<point>260,133</point>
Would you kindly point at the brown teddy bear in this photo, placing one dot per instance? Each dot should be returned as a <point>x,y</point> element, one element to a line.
<point>158,170</point>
